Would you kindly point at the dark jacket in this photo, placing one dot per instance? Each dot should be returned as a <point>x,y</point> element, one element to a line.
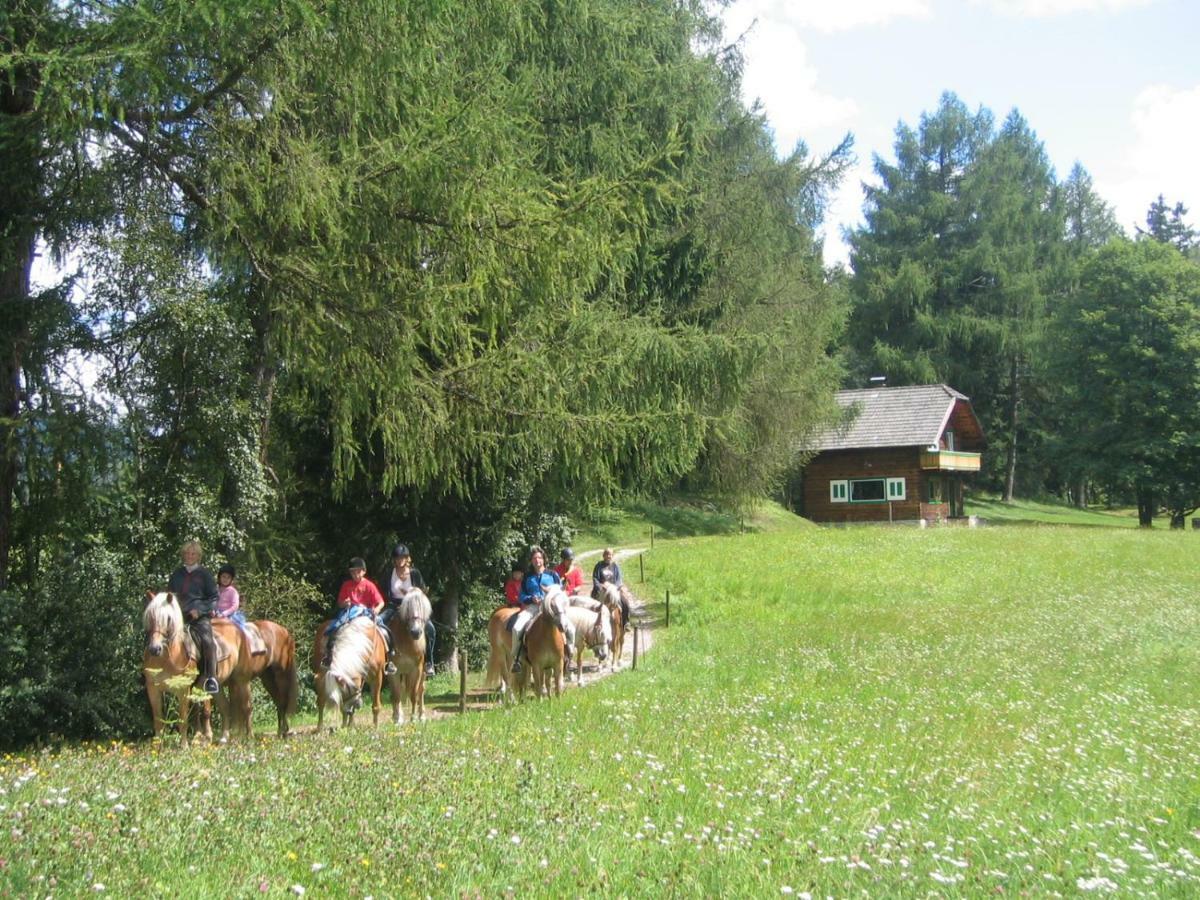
<point>599,576</point>
<point>196,590</point>
<point>385,583</point>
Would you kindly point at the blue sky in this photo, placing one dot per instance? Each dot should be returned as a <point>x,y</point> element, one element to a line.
<point>1113,84</point>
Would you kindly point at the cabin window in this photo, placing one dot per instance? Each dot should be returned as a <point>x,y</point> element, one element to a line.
<point>837,491</point>
<point>949,439</point>
<point>935,490</point>
<point>895,489</point>
<point>868,490</point>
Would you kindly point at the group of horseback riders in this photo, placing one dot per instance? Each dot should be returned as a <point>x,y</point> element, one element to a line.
<point>526,589</point>
<point>201,597</point>
<point>360,596</point>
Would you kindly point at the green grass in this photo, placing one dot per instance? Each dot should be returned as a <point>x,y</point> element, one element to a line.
<point>1028,512</point>
<point>888,712</point>
<point>630,526</point>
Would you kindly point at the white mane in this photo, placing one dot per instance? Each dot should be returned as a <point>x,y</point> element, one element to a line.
<point>610,595</point>
<point>555,604</point>
<point>163,615</point>
<point>415,606</point>
<point>594,625</point>
<point>352,649</point>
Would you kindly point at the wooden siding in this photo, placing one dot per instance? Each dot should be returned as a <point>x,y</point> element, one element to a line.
<point>887,462</point>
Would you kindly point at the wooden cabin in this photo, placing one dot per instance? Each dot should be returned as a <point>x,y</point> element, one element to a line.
<point>901,454</point>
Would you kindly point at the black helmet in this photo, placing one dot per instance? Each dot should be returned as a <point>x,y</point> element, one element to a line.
<point>568,553</point>
<point>357,563</point>
<point>227,569</point>
<point>400,551</point>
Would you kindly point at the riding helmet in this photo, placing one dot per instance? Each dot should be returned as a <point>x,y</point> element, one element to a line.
<point>357,563</point>
<point>568,553</point>
<point>400,551</point>
<point>227,569</point>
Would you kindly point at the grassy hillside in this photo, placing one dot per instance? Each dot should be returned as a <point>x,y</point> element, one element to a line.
<point>895,712</point>
<point>630,525</point>
<point>1031,512</point>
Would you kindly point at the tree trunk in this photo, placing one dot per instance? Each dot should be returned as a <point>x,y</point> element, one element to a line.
<point>1145,505</point>
<point>1081,493</point>
<point>20,175</point>
<point>1014,403</point>
<point>448,616</point>
<point>1177,518</point>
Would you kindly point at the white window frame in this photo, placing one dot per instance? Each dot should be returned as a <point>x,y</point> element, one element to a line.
<point>897,489</point>
<point>839,491</point>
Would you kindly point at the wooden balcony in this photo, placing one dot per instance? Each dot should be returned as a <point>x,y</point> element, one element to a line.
<point>950,461</point>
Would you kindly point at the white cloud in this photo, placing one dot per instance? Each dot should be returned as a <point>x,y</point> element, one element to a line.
<point>845,210</point>
<point>1160,158</point>
<point>779,75</point>
<point>1042,9</point>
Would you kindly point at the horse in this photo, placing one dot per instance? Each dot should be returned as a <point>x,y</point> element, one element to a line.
<point>500,653</point>
<point>545,644</point>
<point>407,628</point>
<point>359,657</point>
<point>610,596</point>
<point>167,664</point>
<point>593,629</point>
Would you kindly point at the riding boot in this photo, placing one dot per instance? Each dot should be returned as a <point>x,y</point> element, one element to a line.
<point>517,651</point>
<point>430,645</point>
<point>327,659</point>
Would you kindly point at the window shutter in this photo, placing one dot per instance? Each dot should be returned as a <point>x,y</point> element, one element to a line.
<point>837,491</point>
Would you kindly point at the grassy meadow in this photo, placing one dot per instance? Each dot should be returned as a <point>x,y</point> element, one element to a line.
<point>895,712</point>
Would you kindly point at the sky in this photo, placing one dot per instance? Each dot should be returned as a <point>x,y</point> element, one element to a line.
<point>1112,84</point>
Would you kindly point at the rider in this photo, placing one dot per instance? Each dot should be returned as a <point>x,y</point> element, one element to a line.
<point>533,589</point>
<point>358,597</point>
<point>608,570</point>
<point>570,573</point>
<point>228,599</point>
<point>512,587</point>
<point>400,578</point>
<point>194,587</point>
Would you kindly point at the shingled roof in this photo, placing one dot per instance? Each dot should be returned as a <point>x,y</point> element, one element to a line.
<point>892,417</point>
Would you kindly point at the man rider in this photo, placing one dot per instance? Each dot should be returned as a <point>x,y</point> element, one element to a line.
<point>196,589</point>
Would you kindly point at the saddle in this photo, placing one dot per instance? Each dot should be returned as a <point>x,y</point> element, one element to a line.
<point>255,639</point>
<point>510,624</point>
<point>193,652</point>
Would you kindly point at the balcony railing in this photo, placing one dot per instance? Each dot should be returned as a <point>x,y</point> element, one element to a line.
<point>950,460</point>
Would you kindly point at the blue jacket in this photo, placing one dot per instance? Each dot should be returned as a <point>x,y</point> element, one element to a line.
<point>533,588</point>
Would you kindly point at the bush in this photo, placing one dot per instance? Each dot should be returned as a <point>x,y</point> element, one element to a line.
<point>72,652</point>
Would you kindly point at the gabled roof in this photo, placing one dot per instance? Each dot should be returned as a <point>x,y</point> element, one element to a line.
<point>894,417</point>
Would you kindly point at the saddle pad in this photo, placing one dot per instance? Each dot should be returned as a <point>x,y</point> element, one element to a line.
<point>223,649</point>
<point>512,620</point>
<point>254,639</point>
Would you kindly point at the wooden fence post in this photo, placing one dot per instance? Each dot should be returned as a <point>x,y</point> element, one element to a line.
<point>642,565</point>
<point>462,681</point>
<point>635,647</point>
<point>668,624</point>
<point>652,537</point>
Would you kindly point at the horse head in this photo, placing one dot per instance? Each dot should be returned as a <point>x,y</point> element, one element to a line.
<point>610,596</point>
<point>555,604</point>
<point>415,611</point>
<point>604,630</point>
<point>162,620</point>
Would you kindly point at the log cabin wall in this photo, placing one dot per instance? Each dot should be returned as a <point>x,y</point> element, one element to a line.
<point>888,462</point>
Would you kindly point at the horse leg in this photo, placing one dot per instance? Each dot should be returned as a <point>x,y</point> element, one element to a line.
<point>558,676</point>
<point>185,710</point>
<point>419,696</point>
<point>243,711</point>
<point>376,696</point>
<point>399,687</point>
<point>154,695</point>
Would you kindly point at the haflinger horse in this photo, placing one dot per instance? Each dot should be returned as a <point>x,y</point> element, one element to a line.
<point>610,596</point>
<point>358,660</point>
<point>169,667</point>
<point>593,631</point>
<point>500,653</point>
<point>546,641</point>
<point>407,628</point>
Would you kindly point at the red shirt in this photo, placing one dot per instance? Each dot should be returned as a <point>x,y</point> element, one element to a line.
<point>571,575</point>
<point>512,591</point>
<point>361,593</point>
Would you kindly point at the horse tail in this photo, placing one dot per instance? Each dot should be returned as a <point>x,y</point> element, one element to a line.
<point>495,667</point>
<point>291,677</point>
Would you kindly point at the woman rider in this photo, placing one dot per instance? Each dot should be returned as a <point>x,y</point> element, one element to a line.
<point>400,578</point>
<point>533,589</point>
